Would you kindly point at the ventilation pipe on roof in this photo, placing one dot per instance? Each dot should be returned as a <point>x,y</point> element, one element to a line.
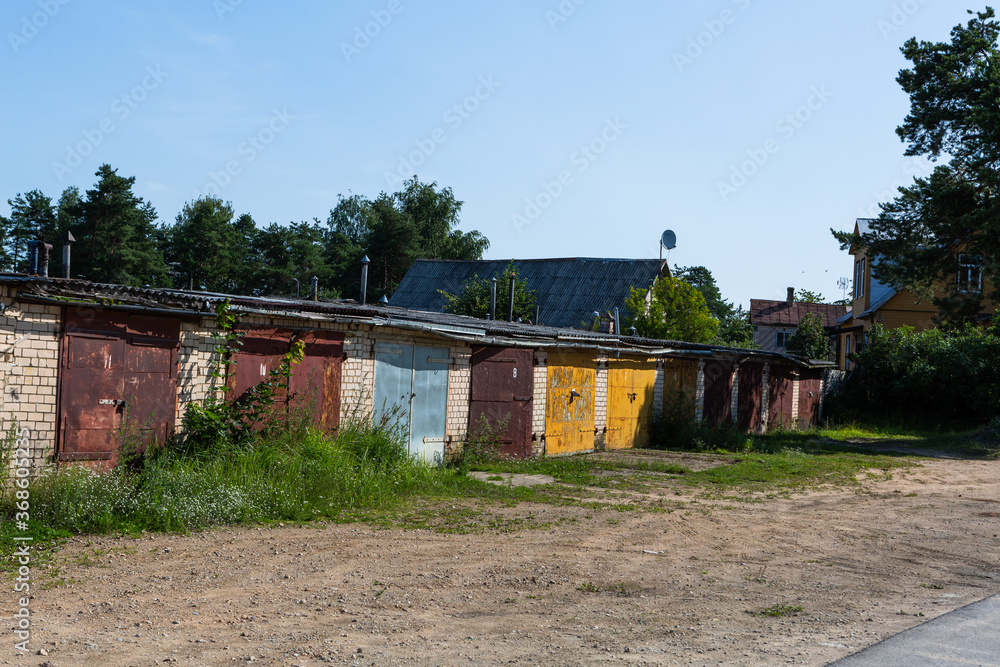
<point>315,288</point>
<point>364,278</point>
<point>493,298</point>
<point>510,309</point>
<point>33,257</point>
<point>790,299</point>
<point>45,250</point>
<point>67,240</point>
<point>617,327</point>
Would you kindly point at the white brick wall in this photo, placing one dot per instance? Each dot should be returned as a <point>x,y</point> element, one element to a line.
<point>29,366</point>
<point>658,390</point>
<point>539,400</point>
<point>699,397</point>
<point>459,396</point>
<point>601,396</point>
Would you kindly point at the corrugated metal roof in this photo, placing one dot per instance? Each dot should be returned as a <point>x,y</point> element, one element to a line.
<point>764,311</point>
<point>163,301</point>
<point>568,290</point>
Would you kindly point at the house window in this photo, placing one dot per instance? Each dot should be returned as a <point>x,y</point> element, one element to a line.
<point>782,340</point>
<point>970,273</point>
<point>859,278</point>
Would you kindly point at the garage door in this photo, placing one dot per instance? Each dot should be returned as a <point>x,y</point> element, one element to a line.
<point>630,402</point>
<point>411,385</point>
<point>118,370</point>
<point>502,388</point>
<point>569,407</point>
<point>718,392</point>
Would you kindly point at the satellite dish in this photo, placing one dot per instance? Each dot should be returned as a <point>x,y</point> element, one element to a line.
<point>669,240</point>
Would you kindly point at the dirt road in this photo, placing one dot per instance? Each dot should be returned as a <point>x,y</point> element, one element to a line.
<point>539,584</point>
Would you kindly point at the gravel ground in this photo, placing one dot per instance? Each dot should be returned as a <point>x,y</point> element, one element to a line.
<point>841,569</point>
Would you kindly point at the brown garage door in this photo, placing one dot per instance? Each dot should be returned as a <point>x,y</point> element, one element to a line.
<point>315,383</point>
<point>751,380</point>
<point>779,412</point>
<point>810,385</point>
<point>718,392</point>
<point>118,370</point>
<point>502,388</point>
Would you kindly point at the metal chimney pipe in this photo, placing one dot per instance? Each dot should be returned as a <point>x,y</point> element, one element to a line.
<point>617,327</point>
<point>315,288</point>
<point>67,240</point>
<point>364,278</point>
<point>33,258</point>
<point>45,249</point>
<point>510,309</point>
<point>493,298</point>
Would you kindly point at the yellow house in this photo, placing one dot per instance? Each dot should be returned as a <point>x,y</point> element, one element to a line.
<point>874,302</point>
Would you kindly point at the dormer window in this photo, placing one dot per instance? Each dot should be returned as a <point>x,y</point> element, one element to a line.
<point>970,273</point>
<point>859,278</point>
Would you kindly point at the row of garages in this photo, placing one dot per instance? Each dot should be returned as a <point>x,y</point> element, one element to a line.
<point>551,392</point>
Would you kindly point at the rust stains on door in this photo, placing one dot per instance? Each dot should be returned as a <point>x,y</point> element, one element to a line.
<point>314,388</point>
<point>569,408</point>
<point>118,377</point>
<point>718,407</point>
<point>751,381</point>
<point>779,411</point>
<point>630,402</point>
<point>502,390</point>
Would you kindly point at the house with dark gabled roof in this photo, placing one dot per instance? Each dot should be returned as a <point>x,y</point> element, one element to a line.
<point>774,322</point>
<point>568,291</point>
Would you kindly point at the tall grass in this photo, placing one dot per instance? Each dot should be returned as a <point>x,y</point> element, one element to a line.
<point>295,476</point>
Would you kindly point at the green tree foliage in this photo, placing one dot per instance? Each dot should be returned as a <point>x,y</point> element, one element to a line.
<point>809,339</point>
<point>32,216</point>
<point>735,329</point>
<point>203,245</point>
<point>808,296</point>
<point>393,230</point>
<point>947,377</point>
<point>954,90</point>
<point>473,299</point>
<point>676,311</point>
<point>116,234</point>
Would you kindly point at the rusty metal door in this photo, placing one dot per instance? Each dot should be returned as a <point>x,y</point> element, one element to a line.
<point>718,407</point>
<point>680,387</point>
<point>630,402</point>
<point>569,407</point>
<point>779,411</point>
<point>751,389</point>
<point>810,386</point>
<point>502,390</point>
<point>261,351</point>
<point>151,378</point>
<point>314,388</point>
<point>118,381</point>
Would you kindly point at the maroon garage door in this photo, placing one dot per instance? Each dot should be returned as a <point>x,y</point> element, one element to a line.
<point>779,413</point>
<point>718,392</point>
<point>315,382</point>
<point>810,385</point>
<point>750,390</point>
<point>118,370</point>
<point>502,389</point>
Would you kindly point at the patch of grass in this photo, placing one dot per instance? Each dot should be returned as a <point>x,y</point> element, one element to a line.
<point>779,611</point>
<point>588,587</point>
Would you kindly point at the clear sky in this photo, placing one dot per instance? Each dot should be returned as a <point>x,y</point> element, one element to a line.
<point>573,128</point>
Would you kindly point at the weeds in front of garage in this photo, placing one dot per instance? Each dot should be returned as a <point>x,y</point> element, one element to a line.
<point>779,611</point>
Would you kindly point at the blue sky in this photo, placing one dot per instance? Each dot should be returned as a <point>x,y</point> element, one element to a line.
<point>572,128</point>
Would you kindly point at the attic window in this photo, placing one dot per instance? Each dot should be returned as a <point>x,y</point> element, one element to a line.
<point>782,339</point>
<point>970,273</point>
<point>859,278</point>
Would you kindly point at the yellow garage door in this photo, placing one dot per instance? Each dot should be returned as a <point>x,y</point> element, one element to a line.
<point>630,402</point>
<point>680,387</point>
<point>569,406</point>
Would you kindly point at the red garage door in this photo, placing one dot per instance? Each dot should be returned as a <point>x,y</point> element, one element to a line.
<point>118,370</point>
<point>718,392</point>
<point>750,390</point>
<point>502,389</point>
<point>779,413</point>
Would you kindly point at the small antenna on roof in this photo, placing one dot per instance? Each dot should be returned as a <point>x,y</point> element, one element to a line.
<point>843,282</point>
<point>668,240</point>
